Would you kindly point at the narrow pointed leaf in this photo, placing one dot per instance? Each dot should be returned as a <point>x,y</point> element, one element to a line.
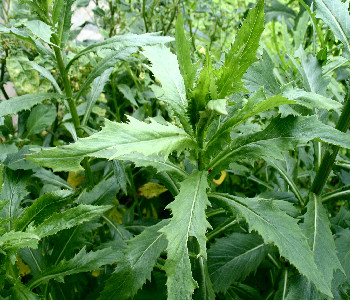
<point>82,262</point>
<point>316,227</point>
<point>135,266</point>
<point>69,218</point>
<point>275,226</point>
<point>43,208</point>
<point>189,220</point>
<point>114,140</point>
<point>242,53</point>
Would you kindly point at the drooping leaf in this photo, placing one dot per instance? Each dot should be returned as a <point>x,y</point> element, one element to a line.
<point>242,53</point>
<point>135,266</point>
<point>69,218</point>
<point>40,118</point>
<point>45,73</point>
<point>97,88</point>
<point>280,135</point>
<point>126,91</point>
<point>25,102</point>
<point>189,220</point>
<point>275,226</point>
<point>115,140</point>
<point>120,175</point>
<point>49,177</point>
<point>165,68</point>
<point>16,161</point>
<point>43,208</point>
<point>233,258</point>
<point>20,292</point>
<point>120,42</point>
<point>336,15</point>
<point>82,262</point>
<point>39,29</point>
<point>183,52</point>
<point>316,227</point>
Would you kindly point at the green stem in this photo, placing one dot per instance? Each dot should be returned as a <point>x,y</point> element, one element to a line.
<point>330,155</point>
<point>222,227</point>
<point>144,14</point>
<point>71,102</point>
<point>314,21</point>
<point>2,75</point>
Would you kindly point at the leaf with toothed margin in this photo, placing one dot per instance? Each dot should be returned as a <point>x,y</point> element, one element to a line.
<point>115,140</point>
<point>135,266</point>
<point>276,227</point>
<point>189,220</point>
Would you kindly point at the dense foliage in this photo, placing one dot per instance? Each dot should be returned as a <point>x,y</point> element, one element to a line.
<point>199,150</point>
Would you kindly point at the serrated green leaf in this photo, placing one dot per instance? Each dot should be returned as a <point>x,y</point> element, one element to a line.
<point>115,140</point>
<point>183,52</point>
<point>82,262</point>
<point>13,240</point>
<point>25,102</point>
<point>261,74</point>
<point>275,226</point>
<point>189,220</point>
<point>16,161</point>
<point>336,15</point>
<point>280,135</point>
<point>233,258</point>
<point>165,68</point>
<point>135,266</point>
<point>97,87</point>
<point>69,218</point>
<point>39,29</point>
<point>126,91</point>
<point>120,175</point>
<point>49,177</point>
<point>57,10</point>
<point>41,116</point>
<point>43,208</point>
<point>218,105</point>
<point>242,53</point>
<point>64,23</point>
<point>120,42</point>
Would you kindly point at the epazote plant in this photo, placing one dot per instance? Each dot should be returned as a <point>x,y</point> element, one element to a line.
<point>208,102</point>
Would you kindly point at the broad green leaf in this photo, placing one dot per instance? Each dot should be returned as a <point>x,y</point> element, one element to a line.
<point>120,42</point>
<point>189,220</point>
<point>115,140</point>
<point>336,15</point>
<point>39,29</point>
<point>316,227</point>
<point>183,52</point>
<point>16,161</point>
<point>13,191</point>
<point>135,266</point>
<point>34,258</point>
<point>165,68</point>
<point>103,193</point>
<point>25,79</point>
<point>19,34</point>
<point>120,175</point>
<point>233,258</point>
<point>82,262</point>
<point>280,135</point>
<point>155,161</point>
<point>25,102</point>
<point>69,218</point>
<point>45,73</point>
<point>275,226</point>
<point>42,208</point>
<point>242,53</point>
<point>20,292</point>
<point>40,118</point>
<point>218,105</point>
<point>261,74</point>
<point>106,63</point>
